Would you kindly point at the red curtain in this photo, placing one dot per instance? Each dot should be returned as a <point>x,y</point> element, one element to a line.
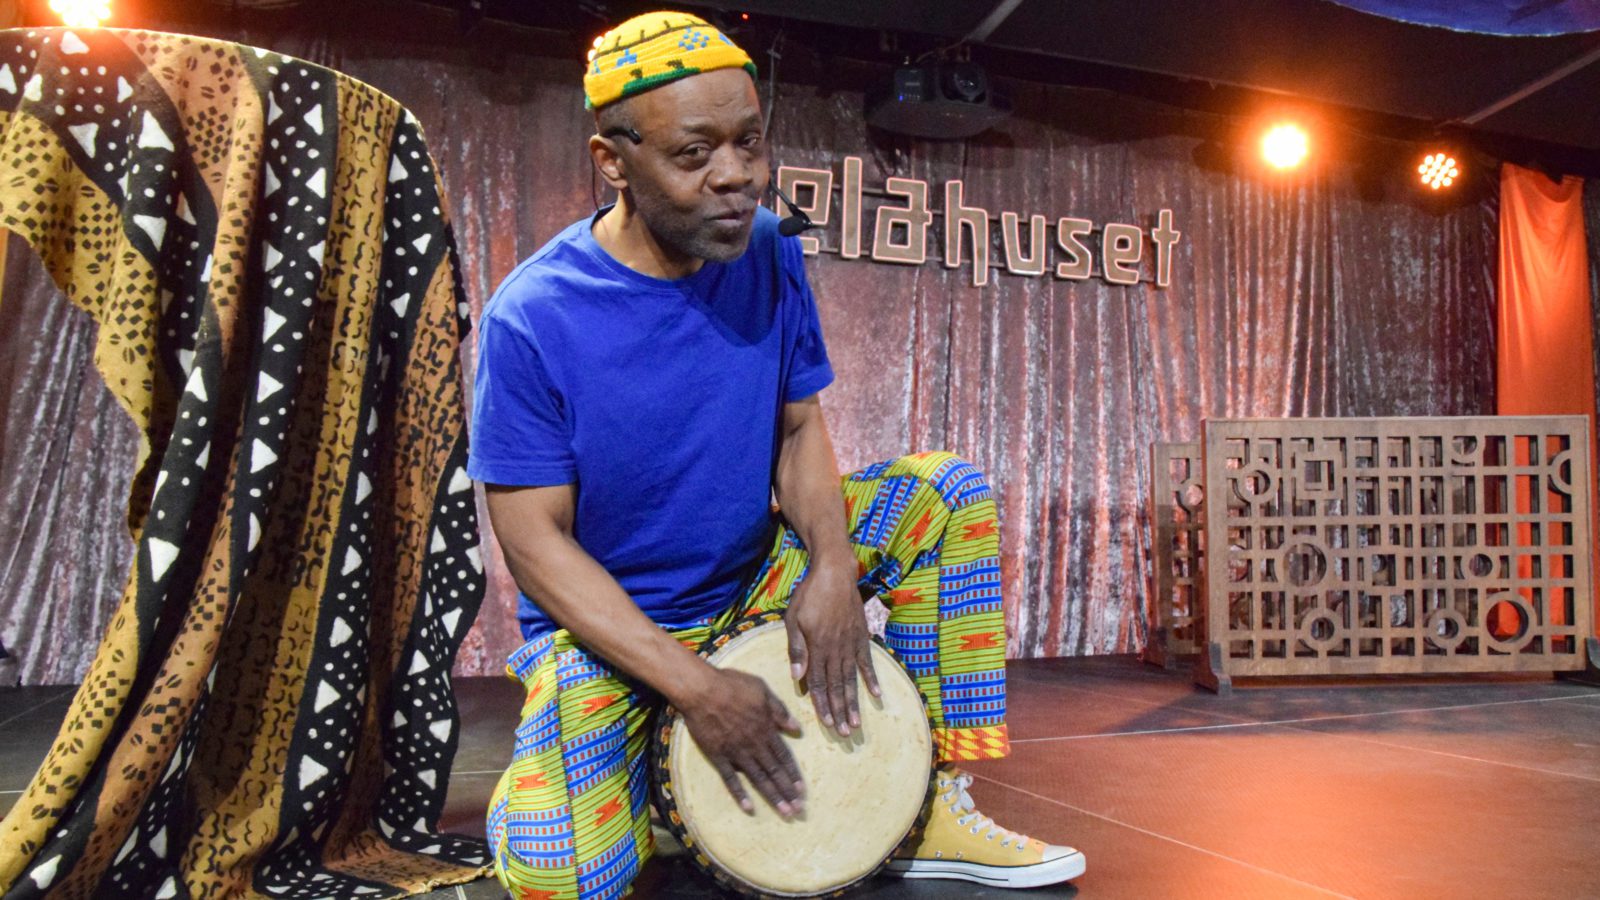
<point>1545,341</point>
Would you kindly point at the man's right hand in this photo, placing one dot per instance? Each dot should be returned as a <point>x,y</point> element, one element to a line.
<point>738,723</point>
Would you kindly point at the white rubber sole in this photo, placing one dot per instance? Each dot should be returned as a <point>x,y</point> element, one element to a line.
<point>1053,871</point>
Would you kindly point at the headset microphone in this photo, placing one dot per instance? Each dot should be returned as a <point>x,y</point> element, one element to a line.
<point>797,220</point>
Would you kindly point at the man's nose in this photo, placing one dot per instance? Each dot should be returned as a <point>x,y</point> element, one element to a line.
<point>731,170</point>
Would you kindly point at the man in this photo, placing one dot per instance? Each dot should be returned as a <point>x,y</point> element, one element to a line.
<point>647,382</point>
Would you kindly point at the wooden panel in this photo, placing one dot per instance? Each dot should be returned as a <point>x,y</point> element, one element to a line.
<point>1376,546</point>
<point>1176,599</point>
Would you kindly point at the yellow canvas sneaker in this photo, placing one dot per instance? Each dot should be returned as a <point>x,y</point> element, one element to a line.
<point>961,843</point>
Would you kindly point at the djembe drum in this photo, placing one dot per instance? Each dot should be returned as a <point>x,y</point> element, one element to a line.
<point>863,793</point>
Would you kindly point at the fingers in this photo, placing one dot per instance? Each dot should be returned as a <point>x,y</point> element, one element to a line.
<point>788,768</point>
<point>868,673</point>
<point>740,737</point>
<point>772,769</point>
<point>832,687</point>
<point>776,794</point>
<point>841,694</point>
<point>834,693</point>
<point>787,771</point>
<point>755,769</point>
<point>850,698</point>
<point>827,647</point>
<point>781,715</point>
<point>797,650</point>
<point>817,686</point>
<point>730,777</point>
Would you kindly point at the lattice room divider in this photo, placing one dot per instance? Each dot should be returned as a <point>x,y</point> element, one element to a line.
<point>1177,582</point>
<point>1378,546</point>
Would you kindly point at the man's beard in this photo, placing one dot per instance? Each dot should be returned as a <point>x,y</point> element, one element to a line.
<point>691,234</point>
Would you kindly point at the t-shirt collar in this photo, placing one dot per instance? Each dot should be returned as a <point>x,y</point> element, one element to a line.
<point>591,246</point>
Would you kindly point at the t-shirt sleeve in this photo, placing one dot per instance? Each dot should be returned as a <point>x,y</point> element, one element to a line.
<point>808,368</point>
<point>521,428</point>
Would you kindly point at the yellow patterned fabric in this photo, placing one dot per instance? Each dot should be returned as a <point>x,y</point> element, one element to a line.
<point>570,818</point>
<point>260,241</point>
<point>927,542</point>
<point>653,49</point>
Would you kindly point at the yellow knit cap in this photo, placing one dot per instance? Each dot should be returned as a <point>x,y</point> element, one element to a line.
<point>653,49</point>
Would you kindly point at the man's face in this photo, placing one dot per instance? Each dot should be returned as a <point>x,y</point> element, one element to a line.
<point>700,173</point>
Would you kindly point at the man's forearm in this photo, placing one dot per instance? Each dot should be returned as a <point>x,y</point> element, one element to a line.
<point>807,486</point>
<point>582,597</point>
<point>733,716</point>
<point>827,626</point>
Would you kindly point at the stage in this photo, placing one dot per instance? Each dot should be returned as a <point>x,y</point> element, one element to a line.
<point>1444,789</point>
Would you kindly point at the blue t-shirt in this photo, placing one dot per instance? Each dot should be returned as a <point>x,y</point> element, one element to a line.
<point>660,399</point>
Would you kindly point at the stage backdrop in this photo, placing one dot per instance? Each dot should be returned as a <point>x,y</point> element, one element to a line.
<point>1304,300</point>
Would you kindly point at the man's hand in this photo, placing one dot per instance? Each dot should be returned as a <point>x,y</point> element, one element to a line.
<point>829,643</point>
<point>733,717</point>
<point>737,722</point>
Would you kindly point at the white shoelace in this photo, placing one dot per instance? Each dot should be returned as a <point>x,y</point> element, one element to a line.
<point>966,811</point>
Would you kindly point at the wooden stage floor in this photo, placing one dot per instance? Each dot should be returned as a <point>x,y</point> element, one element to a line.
<point>1378,790</point>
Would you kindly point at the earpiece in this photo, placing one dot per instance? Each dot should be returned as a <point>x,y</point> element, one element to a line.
<point>630,133</point>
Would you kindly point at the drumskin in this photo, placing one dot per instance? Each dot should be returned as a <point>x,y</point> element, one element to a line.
<point>570,817</point>
<point>878,775</point>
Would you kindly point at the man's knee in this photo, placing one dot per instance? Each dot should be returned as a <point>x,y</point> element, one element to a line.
<point>958,481</point>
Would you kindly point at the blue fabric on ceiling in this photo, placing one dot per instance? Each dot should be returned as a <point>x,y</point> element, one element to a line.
<point>1510,17</point>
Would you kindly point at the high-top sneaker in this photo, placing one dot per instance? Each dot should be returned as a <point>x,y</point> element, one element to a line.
<point>961,843</point>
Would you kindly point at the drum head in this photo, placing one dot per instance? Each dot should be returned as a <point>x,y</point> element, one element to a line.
<point>863,793</point>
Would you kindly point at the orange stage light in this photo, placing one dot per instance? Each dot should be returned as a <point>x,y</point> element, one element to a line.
<point>81,13</point>
<point>1438,170</point>
<point>1285,145</point>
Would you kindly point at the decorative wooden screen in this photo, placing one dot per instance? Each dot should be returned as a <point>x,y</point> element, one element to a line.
<point>1177,498</point>
<point>1373,546</point>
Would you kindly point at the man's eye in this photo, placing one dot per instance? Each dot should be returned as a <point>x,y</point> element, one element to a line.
<point>697,152</point>
<point>751,141</point>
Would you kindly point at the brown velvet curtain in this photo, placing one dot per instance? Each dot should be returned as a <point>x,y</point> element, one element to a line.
<point>66,464</point>
<point>1303,299</point>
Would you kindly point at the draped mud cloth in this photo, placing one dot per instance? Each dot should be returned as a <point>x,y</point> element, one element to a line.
<point>262,244</point>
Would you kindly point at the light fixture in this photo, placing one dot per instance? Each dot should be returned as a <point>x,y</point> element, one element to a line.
<point>81,13</point>
<point>1438,170</point>
<point>1285,145</point>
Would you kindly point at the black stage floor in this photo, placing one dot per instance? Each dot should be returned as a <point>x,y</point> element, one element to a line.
<point>1378,790</point>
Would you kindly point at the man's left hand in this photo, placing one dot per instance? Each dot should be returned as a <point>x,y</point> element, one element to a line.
<point>829,643</point>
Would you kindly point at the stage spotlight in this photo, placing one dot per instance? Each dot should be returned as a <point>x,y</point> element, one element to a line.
<point>1285,146</point>
<point>81,13</point>
<point>1438,170</point>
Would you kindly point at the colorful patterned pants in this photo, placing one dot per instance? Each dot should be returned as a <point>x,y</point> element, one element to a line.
<point>570,818</point>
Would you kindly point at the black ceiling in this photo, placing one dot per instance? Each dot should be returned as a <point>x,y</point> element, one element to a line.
<point>1311,50</point>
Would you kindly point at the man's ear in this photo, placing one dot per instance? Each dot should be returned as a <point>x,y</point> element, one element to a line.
<point>608,160</point>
